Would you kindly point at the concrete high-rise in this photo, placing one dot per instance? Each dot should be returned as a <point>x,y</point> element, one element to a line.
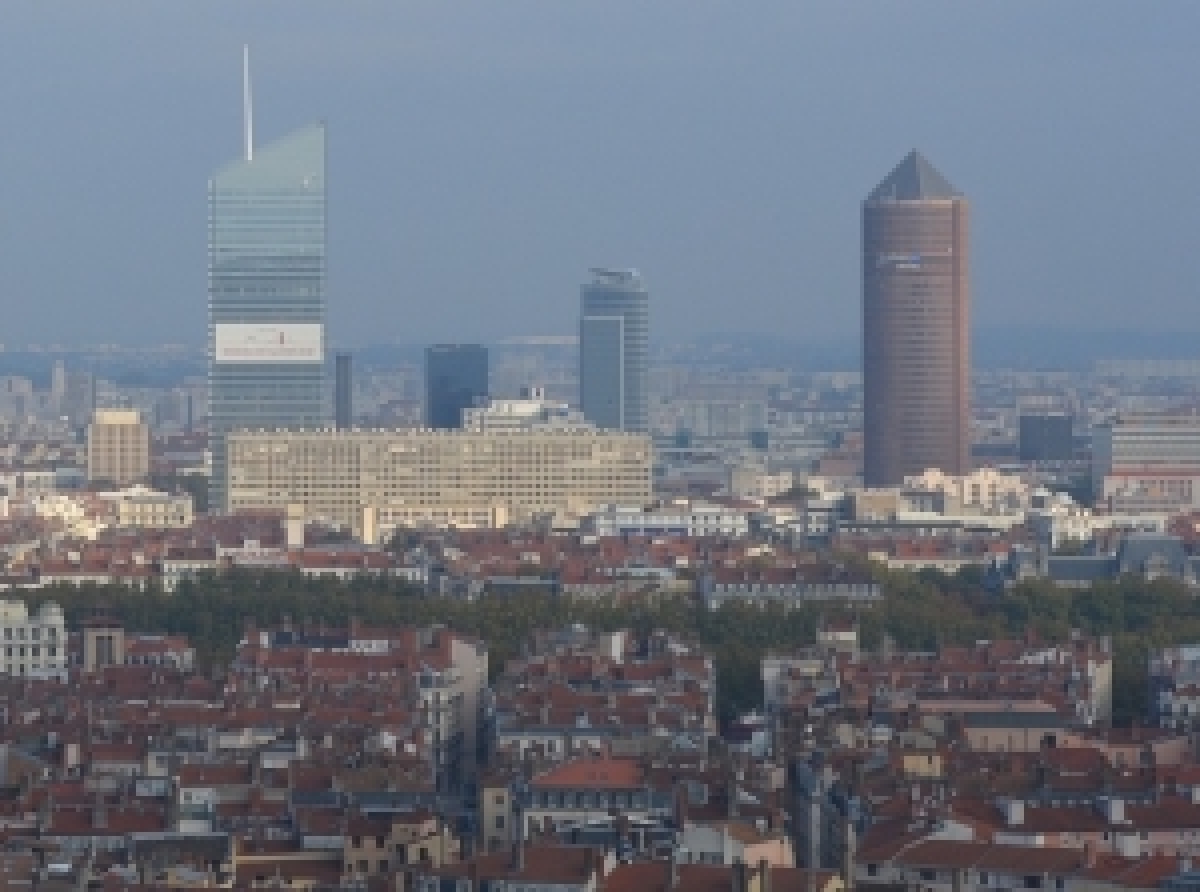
<point>916,360</point>
<point>118,447</point>
<point>266,293</point>
<point>456,379</point>
<point>614,351</point>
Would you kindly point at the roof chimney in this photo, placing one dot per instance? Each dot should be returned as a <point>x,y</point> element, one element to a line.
<point>740,882</point>
<point>99,814</point>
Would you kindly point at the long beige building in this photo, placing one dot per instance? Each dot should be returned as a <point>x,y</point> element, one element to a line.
<point>375,481</point>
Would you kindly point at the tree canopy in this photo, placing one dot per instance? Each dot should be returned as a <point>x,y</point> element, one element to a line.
<point>921,611</point>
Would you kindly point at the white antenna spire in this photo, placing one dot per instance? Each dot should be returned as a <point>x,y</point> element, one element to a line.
<point>247,103</point>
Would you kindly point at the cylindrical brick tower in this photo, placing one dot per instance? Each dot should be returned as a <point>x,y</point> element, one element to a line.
<point>916,356</point>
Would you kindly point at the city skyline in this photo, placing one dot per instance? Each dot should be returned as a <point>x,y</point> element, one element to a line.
<point>436,218</point>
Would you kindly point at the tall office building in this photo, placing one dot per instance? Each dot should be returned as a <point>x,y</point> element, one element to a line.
<point>456,378</point>
<point>916,365</point>
<point>614,351</point>
<point>343,391</point>
<point>58,385</point>
<point>266,291</point>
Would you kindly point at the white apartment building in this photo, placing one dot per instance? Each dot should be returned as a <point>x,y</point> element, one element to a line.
<point>985,491</point>
<point>1054,518</point>
<point>385,479</point>
<point>677,518</point>
<point>35,645</point>
<point>531,412</point>
<point>141,507</point>
<point>1147,462</point>
<point>750,481</point>
<point>717,417</point>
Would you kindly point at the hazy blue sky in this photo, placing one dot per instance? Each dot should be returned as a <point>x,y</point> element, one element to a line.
<point>483,155</point>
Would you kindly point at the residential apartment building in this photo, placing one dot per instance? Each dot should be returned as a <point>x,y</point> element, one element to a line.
<point>1174,675</point>
<point>1147,462</point>
<point>531,411</point>
<point>140,507</point>
<point>677,518</point>
<point>986,491</point>
<point>118,447</point>
<point>33,645</point>
<point>407,478</point>
<point>443,678</point>
<point>613,693</point>
<point>788,586</point>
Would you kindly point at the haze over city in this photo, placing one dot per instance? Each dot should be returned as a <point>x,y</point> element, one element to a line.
<point>482,157</point>
<point>602,446</point>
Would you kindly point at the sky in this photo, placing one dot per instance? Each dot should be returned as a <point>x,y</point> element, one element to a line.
<point>484,155</point>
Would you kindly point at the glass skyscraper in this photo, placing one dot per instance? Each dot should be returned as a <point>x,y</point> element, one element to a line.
<point>614,348</point>
<point>266,293</point>
<point>456,378</point>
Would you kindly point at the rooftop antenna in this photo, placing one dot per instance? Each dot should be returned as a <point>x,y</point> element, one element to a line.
<point>247,103</point>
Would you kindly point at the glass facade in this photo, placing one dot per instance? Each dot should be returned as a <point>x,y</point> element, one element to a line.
<point>266,293</point>
<point>456,378</point>
<point>343,391</point>
<point>614,335</point>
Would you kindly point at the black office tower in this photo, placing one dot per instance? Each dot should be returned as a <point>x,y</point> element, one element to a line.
<point>456,378</point>
<point>1047,437</point>
<point>343,391</point>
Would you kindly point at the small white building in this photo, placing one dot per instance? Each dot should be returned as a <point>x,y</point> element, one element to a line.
<point>984,491</point>
<point>677,518</point>
<point>34,646</point>
<point>140,507</point>
<point>531,412</point>
<point>1055,518</point>
<point>749,481</point>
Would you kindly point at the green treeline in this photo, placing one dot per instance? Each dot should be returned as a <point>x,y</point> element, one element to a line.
<point>921,611</point>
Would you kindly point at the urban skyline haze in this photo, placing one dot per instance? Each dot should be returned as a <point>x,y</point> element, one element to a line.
<point>484,157</point>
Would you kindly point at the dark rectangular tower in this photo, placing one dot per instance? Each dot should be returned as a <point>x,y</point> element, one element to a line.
<point>343,391</point>
<point>456,378</point>
<point>916,364</point>
<point>1046,437</point>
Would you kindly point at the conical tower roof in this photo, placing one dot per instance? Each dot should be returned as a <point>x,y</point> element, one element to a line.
<point>913,179</point>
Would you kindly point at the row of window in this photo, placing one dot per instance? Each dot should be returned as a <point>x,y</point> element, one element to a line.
<point>1029,881</point>
<point>35,633</point>
<point>35,651</point>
